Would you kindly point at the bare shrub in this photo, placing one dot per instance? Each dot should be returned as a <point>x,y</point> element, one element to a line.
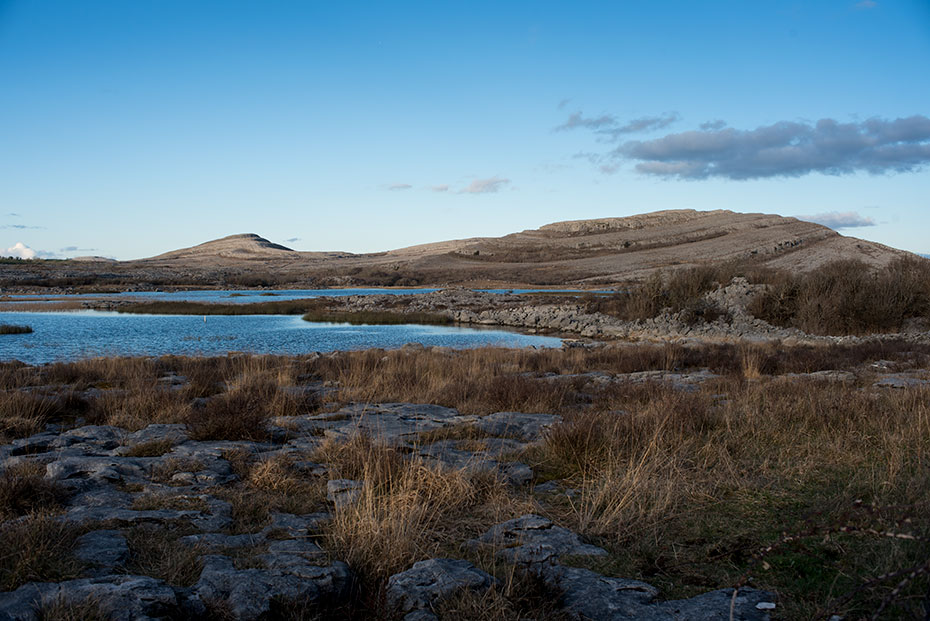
<point>847,297</point>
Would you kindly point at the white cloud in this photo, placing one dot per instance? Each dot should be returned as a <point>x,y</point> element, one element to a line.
<point>839,220</point>
<point>443,187</point>
<point>399,186</point>
<point>485,186</point>
<point>19,250</point>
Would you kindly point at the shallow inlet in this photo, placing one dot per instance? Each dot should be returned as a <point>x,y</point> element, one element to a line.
<point>62,336</point>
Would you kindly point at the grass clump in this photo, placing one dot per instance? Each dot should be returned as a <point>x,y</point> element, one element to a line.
<point>37,548</point>
<point>25,490</point>
<point>6,328</point>
<point>163,471</point>
<point>67,610</point>
<point>266,486</point>
<point>139,404</point>
<point>159,553</point>
<point>152,448</point>
<point>676,290</point>
<point>25,413</point>
<point>407,511</point>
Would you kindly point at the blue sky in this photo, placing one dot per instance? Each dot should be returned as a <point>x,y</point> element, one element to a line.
<point>133,128</point>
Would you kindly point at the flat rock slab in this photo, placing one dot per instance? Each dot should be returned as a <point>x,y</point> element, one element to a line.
<point>445,453</point>
<point>428,582</point>
<point>901,382</point>
<point>528,427</point>
<point>390,423</point>
<point>248,592</point>
<point>103,548</point>
<point>120,598</point>
<point>533,539</point>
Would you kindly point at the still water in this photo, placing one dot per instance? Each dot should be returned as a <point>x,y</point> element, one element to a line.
<point>249,296</point>
<point>82,334</point>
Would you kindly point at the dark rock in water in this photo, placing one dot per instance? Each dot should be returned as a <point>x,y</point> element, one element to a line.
<point>428,582</point>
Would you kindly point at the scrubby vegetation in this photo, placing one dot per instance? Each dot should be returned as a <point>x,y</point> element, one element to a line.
<point>848,298</point>
<point>840,298</point>
<point>812,486</point>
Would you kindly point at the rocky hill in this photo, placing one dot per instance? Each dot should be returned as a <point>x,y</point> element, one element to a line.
<point>573,253</point>
<point>243,246</point>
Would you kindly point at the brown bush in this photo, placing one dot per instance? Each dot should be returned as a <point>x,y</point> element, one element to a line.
<point>847,297</point>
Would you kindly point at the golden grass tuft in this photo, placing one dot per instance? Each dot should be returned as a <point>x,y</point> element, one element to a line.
<point>37,548</point>
<point>138,404</point>
<point>25,490</point>
<point>408,510</point>
<point>24,414</point>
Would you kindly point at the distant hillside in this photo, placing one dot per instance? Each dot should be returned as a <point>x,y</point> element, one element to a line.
<point>243,246</point>
<point>617,249</point>
<point>572,253</point>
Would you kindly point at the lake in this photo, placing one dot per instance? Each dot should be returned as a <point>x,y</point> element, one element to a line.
<point>60,336</point>
<point>249,296</point>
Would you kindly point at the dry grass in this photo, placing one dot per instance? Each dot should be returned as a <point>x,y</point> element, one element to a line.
<point>25,490</point>
<point>376,317</point>
<point>277,307</point>
<point>153,448</point>
<point>158,553</point>
<point>521,595</point>
<point>62,610</point>
<point>408,510</point>
<point>138,405</point>
<point>681,289</point>
<point>23,414</point>
<point>37,548</point>
<point>266,486</point>
<point>164,470</point>
<point>846,297</point>
<point>684,488</point>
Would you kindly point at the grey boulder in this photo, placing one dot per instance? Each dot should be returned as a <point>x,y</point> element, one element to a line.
<point>428,582</point>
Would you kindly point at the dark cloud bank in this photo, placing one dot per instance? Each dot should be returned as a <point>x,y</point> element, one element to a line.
<point>783,149</point>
